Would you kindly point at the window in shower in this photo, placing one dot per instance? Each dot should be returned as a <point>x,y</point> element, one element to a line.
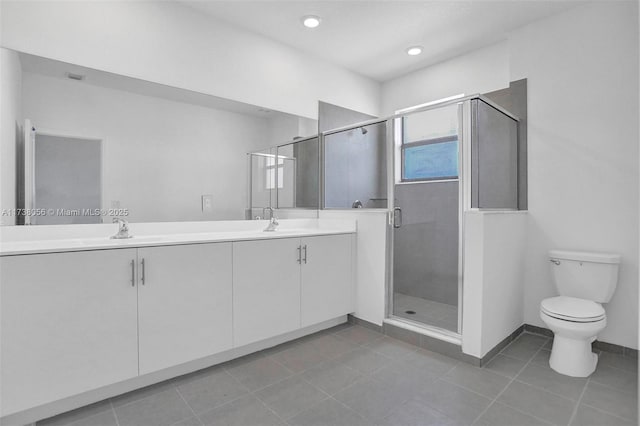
<point>427,146</point>
<point>430,159</point>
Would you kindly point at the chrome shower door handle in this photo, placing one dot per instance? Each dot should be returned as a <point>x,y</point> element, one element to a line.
<point>133,273</point>
<point>397,217</point>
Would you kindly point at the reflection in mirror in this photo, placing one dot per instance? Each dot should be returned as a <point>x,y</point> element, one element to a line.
<point>262,182</point>
<point>166,154</point>
<point>298,174</point>
<point>68,176</point>
<point>355,168</point>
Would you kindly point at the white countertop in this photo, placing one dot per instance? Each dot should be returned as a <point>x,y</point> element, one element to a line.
<point>33,245</point>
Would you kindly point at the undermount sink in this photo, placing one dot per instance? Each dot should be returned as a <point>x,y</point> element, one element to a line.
<point>132,240</point>
<point>140,239</point>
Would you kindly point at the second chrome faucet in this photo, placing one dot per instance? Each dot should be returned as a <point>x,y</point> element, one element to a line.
<point>273,222</point>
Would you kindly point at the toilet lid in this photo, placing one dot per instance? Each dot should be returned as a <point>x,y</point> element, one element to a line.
<point>572,309</point>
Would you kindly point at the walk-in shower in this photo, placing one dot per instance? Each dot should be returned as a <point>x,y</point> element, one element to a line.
<point>447,158</point>
<point>427,167</point>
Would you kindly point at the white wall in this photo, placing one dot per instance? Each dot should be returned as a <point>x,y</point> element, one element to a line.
<point>582,74</point>
<point>371,240</point>
<point>582,71</point>
<point>480,71</point>
<point>495,244</point>
<point>10,126</point>
<point>169,43</point>
<point>160,156</point>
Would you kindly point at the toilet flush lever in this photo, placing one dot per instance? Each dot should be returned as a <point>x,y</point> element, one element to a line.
<point>554,261</point>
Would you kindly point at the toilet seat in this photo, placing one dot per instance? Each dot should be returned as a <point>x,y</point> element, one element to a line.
<point>572,309</point>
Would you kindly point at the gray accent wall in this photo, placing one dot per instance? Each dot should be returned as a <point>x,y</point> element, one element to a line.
<point>514,99</point>
<point>426,245</point>
<point>307,173</point>
<point>355,163</point>
<point>333,116</point>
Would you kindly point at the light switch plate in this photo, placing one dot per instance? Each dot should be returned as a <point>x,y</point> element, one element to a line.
<point>207,203</point>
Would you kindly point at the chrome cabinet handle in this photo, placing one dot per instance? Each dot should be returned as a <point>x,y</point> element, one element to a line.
<point>299,254</point>
<point>397,217</point>
<point>305,254</point>
<point>133,273</point>
<point>143,274</point>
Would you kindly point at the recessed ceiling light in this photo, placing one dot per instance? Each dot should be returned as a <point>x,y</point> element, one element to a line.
<point>414,50</point>
<point>311,21</point>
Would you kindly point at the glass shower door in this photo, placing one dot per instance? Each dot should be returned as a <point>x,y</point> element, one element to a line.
<point>426,229</point>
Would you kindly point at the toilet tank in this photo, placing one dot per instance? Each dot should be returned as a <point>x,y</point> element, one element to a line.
<point>591,276</point>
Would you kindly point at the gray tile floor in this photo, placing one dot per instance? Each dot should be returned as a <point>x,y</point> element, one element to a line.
<point>351,376</point>
<point>426,311</point>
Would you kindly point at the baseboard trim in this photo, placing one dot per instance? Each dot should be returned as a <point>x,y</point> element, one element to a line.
<point>364,323</point>
<point>500,346</point>
<point>408,335</point>
<point>599,345</point>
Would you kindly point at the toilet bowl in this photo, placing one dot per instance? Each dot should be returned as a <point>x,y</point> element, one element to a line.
<point>575,323</point>
<point>576,317</point>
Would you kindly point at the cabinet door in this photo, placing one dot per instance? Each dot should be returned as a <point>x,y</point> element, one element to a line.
<point>266,289</point>
<point>327,284</point>
<point>69,325</point>
<point>184,303</point>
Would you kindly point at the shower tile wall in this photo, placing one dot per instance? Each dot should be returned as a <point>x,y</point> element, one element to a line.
<point>426,246</point>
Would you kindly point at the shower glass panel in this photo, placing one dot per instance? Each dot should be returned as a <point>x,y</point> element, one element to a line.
<point>262,180</point>
<point>494,158</point>
<point>298,174</point>
<point>426,217</point>
<point>355,167</point>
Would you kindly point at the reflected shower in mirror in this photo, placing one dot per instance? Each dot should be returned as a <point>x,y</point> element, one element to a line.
<point>167,154</point>
<point>298,174</point>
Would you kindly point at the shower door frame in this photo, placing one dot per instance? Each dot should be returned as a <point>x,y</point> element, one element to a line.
<point>466,122</point>
<point>464,197</point>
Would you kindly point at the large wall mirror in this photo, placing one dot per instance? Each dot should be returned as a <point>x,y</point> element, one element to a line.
<point>119,146</point>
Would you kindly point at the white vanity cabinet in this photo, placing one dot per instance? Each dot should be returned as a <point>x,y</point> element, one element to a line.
<point>266,289</point>
<point>184,303</point>
<point>69,324</point>
<point>327,278</point>
<point>78,321</point>
<point>282,285</point>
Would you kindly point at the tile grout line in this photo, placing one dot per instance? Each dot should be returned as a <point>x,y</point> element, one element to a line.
<point>189,406</point>
<point>330,397</point>
<point>546,390</point>
<point>513,379</point>
<point>607,412</point>
<point>575,409</point>
<point>114,412</point>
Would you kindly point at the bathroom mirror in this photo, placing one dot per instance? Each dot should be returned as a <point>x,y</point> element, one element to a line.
<point>136,149</point>
<point>298,174</point>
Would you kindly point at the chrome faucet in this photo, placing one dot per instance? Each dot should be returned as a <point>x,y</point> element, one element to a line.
<point>273,222</point>
<point>264,212</point>
<point>123,229</point>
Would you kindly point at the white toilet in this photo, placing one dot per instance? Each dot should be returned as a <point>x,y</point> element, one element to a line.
<point>584,281</point>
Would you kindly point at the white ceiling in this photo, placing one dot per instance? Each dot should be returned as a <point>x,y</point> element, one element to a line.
<point>370,37</point>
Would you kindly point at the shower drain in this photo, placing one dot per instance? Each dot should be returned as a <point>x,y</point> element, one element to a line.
<point>410,312</point>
